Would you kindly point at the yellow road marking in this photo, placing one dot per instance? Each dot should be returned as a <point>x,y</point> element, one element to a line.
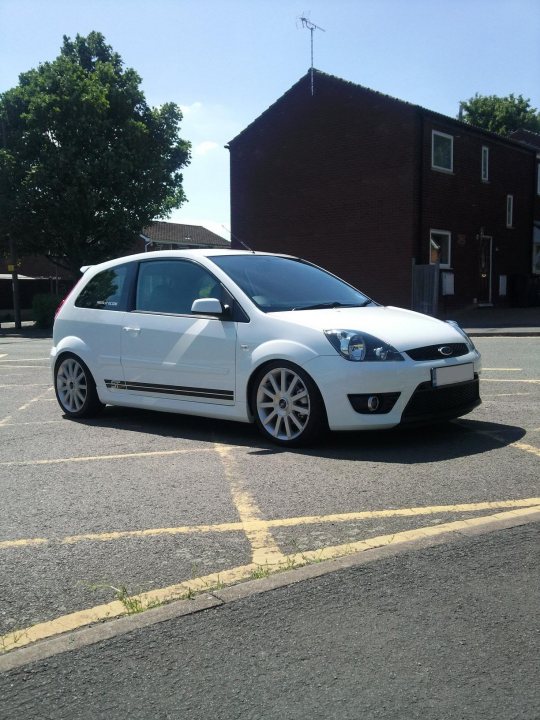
<point>32,422</point>
<point>24,385</point>
<point>527,448</point>
<point>73,621</point>
<point>18,360</point>
<point>504,380</point>
<point>9,367</point>
<point>263,545</point>
<point>256,525</point>
<point>505,394</point>
<point>504,369</point>
<point>6,420</point>
<point>24,542</point>
<point>407,535</point>
<point>33,400</point>
<point>97,458</point>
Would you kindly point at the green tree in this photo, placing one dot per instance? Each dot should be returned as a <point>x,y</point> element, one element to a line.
<point>500,115</point>
<point>85,163</point>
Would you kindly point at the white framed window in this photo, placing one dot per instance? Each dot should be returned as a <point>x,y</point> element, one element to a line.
<point>442,151</point>
<point>440,247</point>
<point>485,163</point>
<point>509,211</point>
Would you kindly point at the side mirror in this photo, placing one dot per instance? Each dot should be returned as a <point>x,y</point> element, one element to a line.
<point>207,306</point>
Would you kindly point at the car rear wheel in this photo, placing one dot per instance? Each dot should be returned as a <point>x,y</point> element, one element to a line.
<point>75,388</point>
<point>287,405</point>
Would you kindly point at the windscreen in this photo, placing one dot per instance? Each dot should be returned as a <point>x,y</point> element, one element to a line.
<point>277,284</point>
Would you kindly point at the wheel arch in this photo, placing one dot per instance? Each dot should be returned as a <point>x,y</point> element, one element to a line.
<point>262,366</point>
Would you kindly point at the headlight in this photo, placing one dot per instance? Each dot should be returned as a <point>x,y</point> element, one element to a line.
<point>462,332</point>
<point>358,347</point>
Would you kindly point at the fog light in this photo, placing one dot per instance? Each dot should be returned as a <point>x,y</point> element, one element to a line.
<point>373,403</point>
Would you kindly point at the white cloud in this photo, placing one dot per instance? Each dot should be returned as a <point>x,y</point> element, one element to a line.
<point>190,109</point>
<point>205,147</point>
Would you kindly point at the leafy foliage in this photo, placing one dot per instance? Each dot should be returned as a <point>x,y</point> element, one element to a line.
<point>85,163</point>
<point>501,115</point>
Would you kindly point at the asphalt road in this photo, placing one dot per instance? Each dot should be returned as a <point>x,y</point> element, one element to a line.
<point>448,632</point>
<point>146,501</point>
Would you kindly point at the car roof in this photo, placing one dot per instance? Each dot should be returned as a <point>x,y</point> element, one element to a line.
<point>192,254</point>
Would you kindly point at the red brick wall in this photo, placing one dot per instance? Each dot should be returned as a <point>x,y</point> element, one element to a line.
<point>331,178</point>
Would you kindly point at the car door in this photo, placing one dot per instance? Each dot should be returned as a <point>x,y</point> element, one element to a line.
<point>97,318</point>
<point>168,353</point>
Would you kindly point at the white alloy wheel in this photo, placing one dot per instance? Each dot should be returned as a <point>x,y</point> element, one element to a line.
<point>287,404</point>
<point>75,388</point>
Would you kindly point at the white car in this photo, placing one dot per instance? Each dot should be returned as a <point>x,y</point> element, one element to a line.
<point>255,337</point>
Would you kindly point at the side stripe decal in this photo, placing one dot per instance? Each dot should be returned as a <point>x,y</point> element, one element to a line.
<point>209,393</point>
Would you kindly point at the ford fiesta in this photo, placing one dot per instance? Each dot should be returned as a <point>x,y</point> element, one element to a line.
<point>255,337</point>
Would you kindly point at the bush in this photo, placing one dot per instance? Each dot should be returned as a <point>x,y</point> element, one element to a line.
<point>44,308</point>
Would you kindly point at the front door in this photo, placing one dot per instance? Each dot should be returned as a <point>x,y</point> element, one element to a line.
<point>170,354</point>
<point>486,258</point>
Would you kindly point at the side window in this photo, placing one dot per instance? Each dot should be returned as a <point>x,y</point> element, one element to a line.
<point>105,291</point>
<point>171,286</point>
<point>442,151</point>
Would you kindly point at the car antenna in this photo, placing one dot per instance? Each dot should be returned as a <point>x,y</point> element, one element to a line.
<point>234,237</point>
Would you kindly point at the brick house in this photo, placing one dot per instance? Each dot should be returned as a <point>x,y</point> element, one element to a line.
<point>532,140</point>
<point>368,185</point>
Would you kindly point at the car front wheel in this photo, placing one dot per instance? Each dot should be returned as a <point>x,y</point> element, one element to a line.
<point>287,405</point>
<point>75,388</point>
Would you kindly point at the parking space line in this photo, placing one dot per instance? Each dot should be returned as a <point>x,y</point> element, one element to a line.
<point>407,535</point>
<point>31,422</point>
<point>527,448</point>
<point>33,400</point>
<point>98,458</point>
<point>34,359</point>
<point>24,385</point>
<point>263,546</point>
<point>257,525</point>
<point>82,618</point>
<point>505,380</point>
<point>503,369</point>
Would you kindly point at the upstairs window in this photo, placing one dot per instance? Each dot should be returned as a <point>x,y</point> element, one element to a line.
<point>485,164</point>
<point>439,248</point>
<point>442,151</point>
<point>509,211</point>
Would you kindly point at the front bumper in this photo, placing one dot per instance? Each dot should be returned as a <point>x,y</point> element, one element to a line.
<point>417,401</point>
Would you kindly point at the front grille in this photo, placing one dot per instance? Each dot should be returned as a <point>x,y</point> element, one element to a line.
<point>444,403</point>
<point>431,352</point>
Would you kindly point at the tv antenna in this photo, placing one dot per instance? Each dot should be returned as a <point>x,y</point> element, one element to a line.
<point>306,23</point>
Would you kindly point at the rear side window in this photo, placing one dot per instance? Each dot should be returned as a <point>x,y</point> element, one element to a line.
<point>105,291</point>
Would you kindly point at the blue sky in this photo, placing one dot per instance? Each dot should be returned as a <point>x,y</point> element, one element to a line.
<point>225,61</point>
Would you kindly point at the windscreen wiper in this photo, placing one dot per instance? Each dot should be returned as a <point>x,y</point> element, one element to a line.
<point>330,305</point>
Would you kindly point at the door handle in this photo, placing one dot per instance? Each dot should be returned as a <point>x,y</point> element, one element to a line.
<point>133,330</point>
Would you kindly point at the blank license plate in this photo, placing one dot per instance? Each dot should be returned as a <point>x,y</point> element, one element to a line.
<point>453,374</point>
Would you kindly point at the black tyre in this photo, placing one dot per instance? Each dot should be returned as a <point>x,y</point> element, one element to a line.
<point>75,388</point>
<point>287,405</point>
